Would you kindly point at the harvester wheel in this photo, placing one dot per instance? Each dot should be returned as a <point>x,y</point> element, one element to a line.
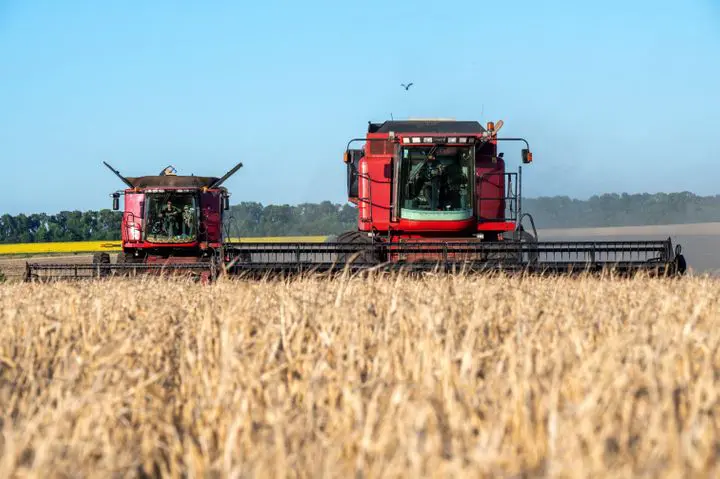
<point>122,259</point>
<point>125,258</point>
<point>102,259</point>
<point>680,265</point>
<point>362,256</point>
<point>522,236</point>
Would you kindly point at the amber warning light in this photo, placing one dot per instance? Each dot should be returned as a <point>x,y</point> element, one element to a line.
<point>526,156</point>
<point>493,127</point>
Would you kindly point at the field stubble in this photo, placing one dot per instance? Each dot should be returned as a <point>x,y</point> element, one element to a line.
<point>446,377</point>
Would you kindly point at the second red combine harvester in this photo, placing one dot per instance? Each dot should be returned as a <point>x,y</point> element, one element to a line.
<point>170,218</point>
<point>430,194</point>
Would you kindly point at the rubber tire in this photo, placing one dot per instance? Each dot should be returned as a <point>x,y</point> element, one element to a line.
<point>681,265</point>
<point>523,237</point>
<point>102,258</point>
<point>357,237</point>
<point>125,258</point>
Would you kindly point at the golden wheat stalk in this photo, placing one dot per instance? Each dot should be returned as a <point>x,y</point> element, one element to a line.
<point>387,376</point>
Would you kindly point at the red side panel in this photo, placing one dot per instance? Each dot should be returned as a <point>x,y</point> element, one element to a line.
<point>490,188</point>
<point>374,184</point>
<point>132,221</point>
<point>364,196</point>
<point>496,226</point>
<point>210,217</point>
<point>430,226</point>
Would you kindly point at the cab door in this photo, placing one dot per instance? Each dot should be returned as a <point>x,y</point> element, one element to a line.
<point>210,218</point>
<point>490,185</point>
<point>395,186</point>
<point>133,218</point>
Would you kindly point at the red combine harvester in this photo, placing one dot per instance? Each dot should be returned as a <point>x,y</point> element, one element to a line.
<point>436,194</point>
<point>170,218</point>
<point>431,195</point>
<point>169,222</point>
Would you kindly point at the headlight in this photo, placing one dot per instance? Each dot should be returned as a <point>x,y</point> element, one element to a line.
<point>134,233</point>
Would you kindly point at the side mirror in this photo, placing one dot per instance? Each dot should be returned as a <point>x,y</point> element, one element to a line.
<point>526,156</point>
<point>116,201</point>
<point>226,202</point>
<point>352,166</point>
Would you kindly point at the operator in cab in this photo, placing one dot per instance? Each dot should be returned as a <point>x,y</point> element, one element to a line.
<point>444,181</point>
<point>170,215</point>
<point>452,182</point>
<point>188,224</point>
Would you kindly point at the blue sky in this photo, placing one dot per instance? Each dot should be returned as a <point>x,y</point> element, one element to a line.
<point>614,96</point>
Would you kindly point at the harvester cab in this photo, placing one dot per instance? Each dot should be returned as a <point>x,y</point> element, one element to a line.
<point>434,178</point>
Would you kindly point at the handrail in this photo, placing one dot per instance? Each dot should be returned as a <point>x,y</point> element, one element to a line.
<point>510,197</point>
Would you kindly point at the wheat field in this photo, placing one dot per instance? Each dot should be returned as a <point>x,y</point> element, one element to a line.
<point>380,377</point>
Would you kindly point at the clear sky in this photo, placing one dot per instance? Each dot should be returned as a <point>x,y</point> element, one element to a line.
<point>614,96</point>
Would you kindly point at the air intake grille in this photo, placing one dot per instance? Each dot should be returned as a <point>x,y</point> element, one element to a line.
<point>381,147</point>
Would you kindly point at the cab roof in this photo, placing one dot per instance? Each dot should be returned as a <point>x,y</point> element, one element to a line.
<point>427,126</point>
<point>172,181</point>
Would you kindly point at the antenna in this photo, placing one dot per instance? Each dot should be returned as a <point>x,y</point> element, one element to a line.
<point>226,176</point>
<point>124,180</point>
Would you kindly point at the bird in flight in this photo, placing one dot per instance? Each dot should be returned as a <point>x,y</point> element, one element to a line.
<point>406,87</point>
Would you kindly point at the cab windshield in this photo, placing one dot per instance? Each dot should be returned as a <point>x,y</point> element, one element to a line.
<point>435,183</point>
<point>171,217</point>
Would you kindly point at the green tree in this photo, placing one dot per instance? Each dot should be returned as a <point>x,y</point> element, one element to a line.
<point>326,218</point>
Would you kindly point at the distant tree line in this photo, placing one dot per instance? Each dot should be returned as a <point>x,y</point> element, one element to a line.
<point>622,210</point>
<point>254,219</point>
<point>63,226</point>
<point>326,218</point>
